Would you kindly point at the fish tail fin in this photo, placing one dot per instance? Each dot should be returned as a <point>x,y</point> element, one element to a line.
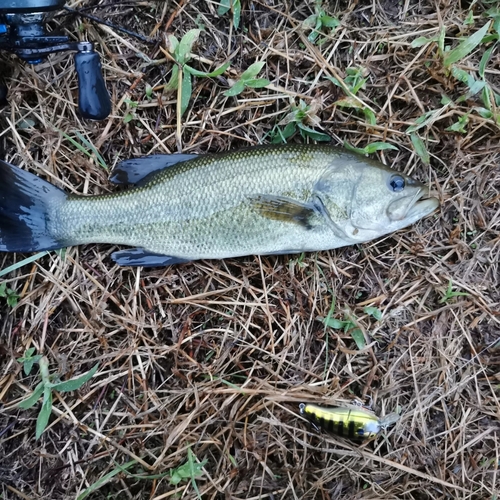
<point>25,204</point>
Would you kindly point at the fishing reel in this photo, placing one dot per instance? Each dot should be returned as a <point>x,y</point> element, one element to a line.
<point>23,32</point>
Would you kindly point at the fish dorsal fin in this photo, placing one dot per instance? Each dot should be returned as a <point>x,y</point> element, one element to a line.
<point>285,209</point>
<point>138,170</point>
<point>141,257</point>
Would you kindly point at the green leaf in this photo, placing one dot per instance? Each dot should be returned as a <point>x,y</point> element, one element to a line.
<point>336,324</point>
<point>24,262</point>
<point>484,61</point>
<point>257,83</point>
<point>173,83</point>
<point>330,22</point>
<point>172,43</point>
<point>103,480</point>
<point>202,74</point>
<point>224,6</point>
<point>370,116</point>
<point>236,89</point>
<point>190,470</point>
<point>420,149</point>
<point>89,145</point>
<point>44,415</point>
<point>374,312</point>
<point>483,112</point>
<point>358,337</point>
<point>28,364</point>
<point>186,91</point>
<point>459,126</point>
<point>461,75</point>
<point>423,120</point>
<point>236,13</point>
<point>465,47</point>
<point>370,148</point>
<point>185,46</point>
<point>280,136</point>
<point>313,134</point>
<point>445,100</point>
<point>470,18</point>
<point>253,70</point>
<point>31,401</point>
<point>128,118</point>
<point>335,81</point>
<point>74,383</point>
<point>378,146</point>
<point>29,352</point>
<point>422,40</point>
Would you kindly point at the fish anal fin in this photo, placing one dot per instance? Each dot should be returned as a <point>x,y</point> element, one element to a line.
<point>141,257</point>
<point>139,170</point>
<point>285,209</point>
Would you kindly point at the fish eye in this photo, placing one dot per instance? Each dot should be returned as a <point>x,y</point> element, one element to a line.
<point>396,183</point>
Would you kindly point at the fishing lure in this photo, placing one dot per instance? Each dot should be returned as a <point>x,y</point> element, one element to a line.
<point>353,423</point>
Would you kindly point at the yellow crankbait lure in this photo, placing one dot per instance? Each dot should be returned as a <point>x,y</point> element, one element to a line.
<point>352,423</point>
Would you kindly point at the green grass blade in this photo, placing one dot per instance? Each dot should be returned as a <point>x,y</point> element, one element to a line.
<point>465,47</point>
<point>31,401</point>
<point>87,143</point>
<point>74,383</point>
<point>252,71</point>
<point>420,149</point>
<point>185,46</point>
<point>203,74</point>
<point>46,410</point>
<point>358,337</point>
<point>22,263</point>
<point>186,91</point>
<point>103,480</point>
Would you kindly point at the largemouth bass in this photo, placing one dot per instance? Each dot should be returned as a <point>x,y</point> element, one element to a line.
<point>262,200</point>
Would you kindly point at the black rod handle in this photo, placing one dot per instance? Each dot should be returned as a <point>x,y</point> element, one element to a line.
<point>93,98</point>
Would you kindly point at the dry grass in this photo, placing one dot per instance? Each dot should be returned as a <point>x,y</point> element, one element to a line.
<point>215,356</point>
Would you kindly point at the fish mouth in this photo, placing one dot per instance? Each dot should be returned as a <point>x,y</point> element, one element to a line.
<point>420,205</point>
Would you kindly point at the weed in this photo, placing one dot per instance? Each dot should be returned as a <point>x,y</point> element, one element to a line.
<point>354,82</point>
<point>130,115</point>
<point>318,22</point>
<point>370,148</point>
<point>420,149</point>
<point>248,79</point>
<point>231,5</point>
<point>449,294</point>
<point>301,118</point>
<point>46,386</point>
<point>449,58</point>
<point>28,360</point>
<point>190,470</point>
<point>9,294</point>
<point>181,78</point>
<point>349,325</point>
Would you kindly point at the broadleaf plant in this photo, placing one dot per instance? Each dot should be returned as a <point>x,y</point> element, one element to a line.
<point>248,79</point>
<point>181,77</point>
<point>47,386</point>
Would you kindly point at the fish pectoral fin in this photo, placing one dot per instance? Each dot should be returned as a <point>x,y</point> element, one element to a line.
<point>141,257</point>
<point>140,170</point>
<point>285,209</point>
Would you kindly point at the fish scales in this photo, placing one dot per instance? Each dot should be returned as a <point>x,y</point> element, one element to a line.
<point>203,207</point>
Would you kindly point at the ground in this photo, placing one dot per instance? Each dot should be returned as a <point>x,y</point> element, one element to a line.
<point>207,362</point>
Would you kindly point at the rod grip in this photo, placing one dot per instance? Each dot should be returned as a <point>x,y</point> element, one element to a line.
<point>93,98</point>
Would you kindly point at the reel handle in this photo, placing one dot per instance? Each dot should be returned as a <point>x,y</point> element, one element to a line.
<point>93,98</point>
